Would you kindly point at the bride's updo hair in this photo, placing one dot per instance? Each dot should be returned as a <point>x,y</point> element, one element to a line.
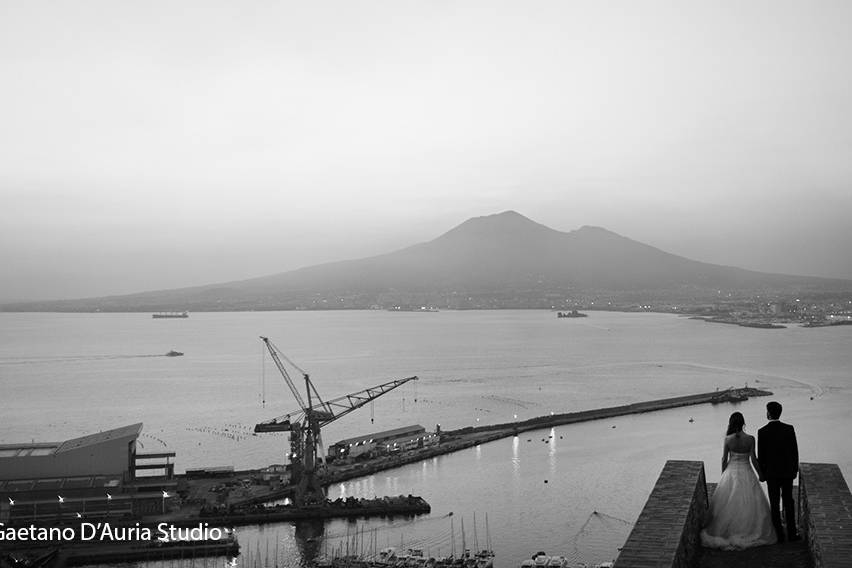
<point>735,423</point>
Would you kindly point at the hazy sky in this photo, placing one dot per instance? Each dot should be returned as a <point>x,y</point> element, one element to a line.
<point>148,145</point>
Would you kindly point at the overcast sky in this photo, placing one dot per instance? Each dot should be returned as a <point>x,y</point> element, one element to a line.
<point>148,145</point>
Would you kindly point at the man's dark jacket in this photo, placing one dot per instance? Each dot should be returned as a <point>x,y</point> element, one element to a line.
<point>777,451</point>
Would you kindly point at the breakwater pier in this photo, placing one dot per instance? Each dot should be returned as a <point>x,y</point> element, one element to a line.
<point>455,440</point>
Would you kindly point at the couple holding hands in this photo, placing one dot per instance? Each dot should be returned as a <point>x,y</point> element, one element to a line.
<point>740,515</point>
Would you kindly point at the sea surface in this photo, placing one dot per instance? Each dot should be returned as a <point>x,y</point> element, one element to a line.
<point>574,490</point>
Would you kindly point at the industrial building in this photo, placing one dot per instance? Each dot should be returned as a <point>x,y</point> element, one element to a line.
<point>379,443</point>
<point>96,472</point>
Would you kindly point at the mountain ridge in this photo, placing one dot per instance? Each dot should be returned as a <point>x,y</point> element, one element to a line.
<point>507,257</point>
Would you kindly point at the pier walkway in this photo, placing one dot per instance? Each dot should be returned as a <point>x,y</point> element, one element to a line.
<point>787,555</point>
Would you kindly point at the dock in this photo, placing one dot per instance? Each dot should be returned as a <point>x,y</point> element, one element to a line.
<point>102,554</point>
<point>348,508</point>
<point>139,546</point>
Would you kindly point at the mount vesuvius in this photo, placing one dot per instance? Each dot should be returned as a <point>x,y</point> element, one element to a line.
<point>497,261</point>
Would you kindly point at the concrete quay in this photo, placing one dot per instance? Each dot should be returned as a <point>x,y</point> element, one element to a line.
<point>258,515</point>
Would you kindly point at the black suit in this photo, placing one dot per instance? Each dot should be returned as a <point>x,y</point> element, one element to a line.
<point>778,456</point>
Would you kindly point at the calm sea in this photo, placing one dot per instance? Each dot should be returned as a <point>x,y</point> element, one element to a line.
<point>64,375</point>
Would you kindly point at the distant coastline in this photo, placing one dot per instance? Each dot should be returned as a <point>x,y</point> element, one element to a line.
<point>755,324</point>
<point>755,321</point>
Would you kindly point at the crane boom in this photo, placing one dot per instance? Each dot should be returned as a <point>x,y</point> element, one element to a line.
<point>276,356</point>
<point>329,411</point>
<point>350,402</point>
<point>305,425</point>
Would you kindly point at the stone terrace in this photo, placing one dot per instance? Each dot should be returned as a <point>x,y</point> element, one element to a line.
<point>666,532</point>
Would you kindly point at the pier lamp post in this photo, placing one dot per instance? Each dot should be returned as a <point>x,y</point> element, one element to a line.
<point>109,499</point>
<point>165,494</point>
<point>61,501</point>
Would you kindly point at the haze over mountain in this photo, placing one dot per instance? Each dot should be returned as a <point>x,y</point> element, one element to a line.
<point>501,260</point>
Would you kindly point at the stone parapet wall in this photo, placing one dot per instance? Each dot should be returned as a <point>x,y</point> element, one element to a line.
<point>825,509</point>
<point>666,534</point>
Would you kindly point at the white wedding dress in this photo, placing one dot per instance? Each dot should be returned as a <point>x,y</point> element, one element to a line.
<point>739,515</point>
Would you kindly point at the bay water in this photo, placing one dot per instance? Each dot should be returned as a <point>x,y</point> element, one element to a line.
<point>573,490</point>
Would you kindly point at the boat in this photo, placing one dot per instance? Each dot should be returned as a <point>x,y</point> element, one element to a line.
<point>484,559</point>
<point>174,353</point>
<point>729,395</point>
<point>541,559</point>
<point>571,314</point>
<point>170,315</point>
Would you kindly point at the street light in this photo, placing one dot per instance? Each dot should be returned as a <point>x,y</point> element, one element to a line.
<point>165,494</point>
<point>109,498</point>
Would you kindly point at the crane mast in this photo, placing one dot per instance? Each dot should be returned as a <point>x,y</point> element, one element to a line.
<point>306,423</point>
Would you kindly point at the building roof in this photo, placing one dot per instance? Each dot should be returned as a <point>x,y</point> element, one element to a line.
<point>133,430</point>
<point>50,448</point>
<point>20,450</point>
<point>396,432</point>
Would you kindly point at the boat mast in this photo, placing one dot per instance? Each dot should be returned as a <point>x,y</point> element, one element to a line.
<point>453,537</point>
<point>475,538</point>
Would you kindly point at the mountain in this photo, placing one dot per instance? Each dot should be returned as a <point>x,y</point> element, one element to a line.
<point>502,260</point>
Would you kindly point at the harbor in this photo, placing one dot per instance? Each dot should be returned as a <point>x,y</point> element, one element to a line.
<point>495,467</point>
<point>211,489</point>
<point>460,439</point>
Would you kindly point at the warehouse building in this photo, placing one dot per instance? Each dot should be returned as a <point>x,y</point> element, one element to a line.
<point>109,453</point>
<point>379,443</point>
<point>92,472</point>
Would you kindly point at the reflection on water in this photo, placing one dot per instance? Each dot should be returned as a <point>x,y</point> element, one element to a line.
<point>475,367</point>
<point>309,537</point>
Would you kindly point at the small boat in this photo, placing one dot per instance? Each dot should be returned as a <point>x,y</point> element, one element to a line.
<point>542,560</point>
<point>485,559</point>
<point>170,315</point>
<point>386,556</point>
<point>174,353</point>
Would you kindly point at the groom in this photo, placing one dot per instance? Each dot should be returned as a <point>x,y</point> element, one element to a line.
<point>778,455</point>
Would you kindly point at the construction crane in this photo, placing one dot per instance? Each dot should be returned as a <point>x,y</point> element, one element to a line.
<point>306,423</point>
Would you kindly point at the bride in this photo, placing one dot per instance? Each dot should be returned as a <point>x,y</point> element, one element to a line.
<point>739,514</point>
